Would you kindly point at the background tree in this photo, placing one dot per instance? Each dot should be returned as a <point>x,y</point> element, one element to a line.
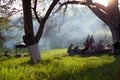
<point>6,11</point>
<point>3,25</point>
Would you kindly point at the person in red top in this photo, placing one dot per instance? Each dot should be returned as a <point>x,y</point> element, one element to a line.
<point>87,45</point>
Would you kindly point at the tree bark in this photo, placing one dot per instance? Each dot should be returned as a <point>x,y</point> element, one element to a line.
<point>34,52</point>
<point>115,33</point>
<point>29,38</point>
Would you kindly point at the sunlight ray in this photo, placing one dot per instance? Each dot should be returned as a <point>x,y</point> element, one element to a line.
<point>103,2</point>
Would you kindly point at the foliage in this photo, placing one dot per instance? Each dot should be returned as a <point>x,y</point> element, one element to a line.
<point>2,49</point>
<point>57,65</point>
<point>3,23</point>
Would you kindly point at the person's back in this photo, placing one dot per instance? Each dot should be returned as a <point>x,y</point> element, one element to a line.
<point>70,50</point>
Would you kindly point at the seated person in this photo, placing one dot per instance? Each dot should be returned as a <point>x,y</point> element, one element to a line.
<point>86,48</point>
<point>70,50</point>
<point>77,50</point>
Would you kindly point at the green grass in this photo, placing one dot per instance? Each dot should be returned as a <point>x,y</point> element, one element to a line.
<point>57,65</point>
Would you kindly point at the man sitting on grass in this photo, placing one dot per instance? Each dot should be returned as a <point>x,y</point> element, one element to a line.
<point>70,50</point>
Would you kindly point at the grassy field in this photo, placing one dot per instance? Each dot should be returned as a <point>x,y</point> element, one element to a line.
<point>57,65</point>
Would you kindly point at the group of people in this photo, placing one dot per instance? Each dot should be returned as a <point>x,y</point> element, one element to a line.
<point>88,44</point>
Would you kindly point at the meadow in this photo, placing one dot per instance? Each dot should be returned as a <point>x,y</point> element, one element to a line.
<point>57,65</point>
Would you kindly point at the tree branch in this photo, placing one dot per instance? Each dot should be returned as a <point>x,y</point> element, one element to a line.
<point>103,15</point>
<point>69,2</point>
<point>101,7</point>
<point>44,19</point>
<point>49,10</point>
<point>35,12</point>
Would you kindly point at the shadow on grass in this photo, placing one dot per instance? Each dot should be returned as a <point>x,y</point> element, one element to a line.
<point>110,71</point>
<point>107,71</point>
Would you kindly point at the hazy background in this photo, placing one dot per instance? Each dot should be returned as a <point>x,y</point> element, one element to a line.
<point>62,29</point>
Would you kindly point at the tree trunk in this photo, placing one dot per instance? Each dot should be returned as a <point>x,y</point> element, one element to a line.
<point>109,15</point>
<point>29,38</point>
<point>34,52</point>
<point>115,30</point>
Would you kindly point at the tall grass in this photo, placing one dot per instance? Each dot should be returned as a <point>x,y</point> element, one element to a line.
<point>57,65</point>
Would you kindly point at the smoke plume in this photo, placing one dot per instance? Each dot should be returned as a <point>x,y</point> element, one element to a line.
<point>62,29</point>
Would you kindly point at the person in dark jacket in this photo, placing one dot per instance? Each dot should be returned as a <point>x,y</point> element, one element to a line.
<point>70,50</point>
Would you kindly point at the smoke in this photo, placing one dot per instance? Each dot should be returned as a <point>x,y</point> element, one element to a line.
<point>12,36</point>
<point>74,27</point>
<point>62,29</point>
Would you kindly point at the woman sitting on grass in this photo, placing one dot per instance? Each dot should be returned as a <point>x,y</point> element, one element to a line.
<point>87,46</point>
